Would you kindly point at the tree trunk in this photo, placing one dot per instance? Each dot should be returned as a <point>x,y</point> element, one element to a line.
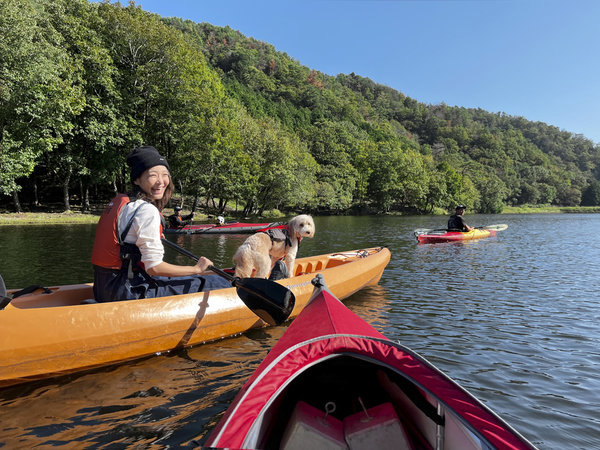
<point>66,193</point>
<point>222,205</point>
<point>17,202</point>
<point>248,208</point>
<point>36,201</point>
<point>85,196</point>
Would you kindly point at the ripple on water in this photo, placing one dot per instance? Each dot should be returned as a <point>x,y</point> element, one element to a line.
<point>514,319</point>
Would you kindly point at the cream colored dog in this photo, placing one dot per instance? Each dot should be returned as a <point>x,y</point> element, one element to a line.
<point>261,250</point>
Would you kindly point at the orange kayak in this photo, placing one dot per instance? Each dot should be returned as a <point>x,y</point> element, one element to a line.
<point>50,334</point>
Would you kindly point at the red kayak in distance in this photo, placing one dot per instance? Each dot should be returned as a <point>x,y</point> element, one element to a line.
<point>332,381</point>
<point>227,228</point>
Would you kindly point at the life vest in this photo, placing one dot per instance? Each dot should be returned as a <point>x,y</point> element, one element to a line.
<point>110,249</point>
<point>456,223</point>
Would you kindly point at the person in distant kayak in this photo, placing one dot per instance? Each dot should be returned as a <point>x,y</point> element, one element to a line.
<point>128,252</point>
<point>177,220</point>
<point>456,222</point>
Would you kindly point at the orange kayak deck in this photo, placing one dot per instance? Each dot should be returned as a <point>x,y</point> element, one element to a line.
<point>46,335</point>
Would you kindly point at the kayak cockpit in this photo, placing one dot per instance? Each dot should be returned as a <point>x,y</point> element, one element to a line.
<point>54,296</point>
<point>346,401</point>
<point>78,294</point>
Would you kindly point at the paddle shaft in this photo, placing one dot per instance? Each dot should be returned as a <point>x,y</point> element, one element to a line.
<point>183,251</point>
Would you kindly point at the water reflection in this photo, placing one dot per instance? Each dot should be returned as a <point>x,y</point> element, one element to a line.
<point>514,319</point>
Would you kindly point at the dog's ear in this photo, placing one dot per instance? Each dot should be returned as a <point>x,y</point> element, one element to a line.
<point>293,224</point>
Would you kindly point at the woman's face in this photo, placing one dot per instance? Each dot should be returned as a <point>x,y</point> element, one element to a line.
<point>153,181</point>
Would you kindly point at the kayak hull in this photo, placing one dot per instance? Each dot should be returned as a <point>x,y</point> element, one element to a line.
<point>228,228</point>
<point>452,236</point>
<point>333,377</point>
<point>52,334</point>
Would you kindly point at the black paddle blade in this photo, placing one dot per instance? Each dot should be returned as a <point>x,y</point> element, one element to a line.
<point>2,287</point>
<point>270,301</point>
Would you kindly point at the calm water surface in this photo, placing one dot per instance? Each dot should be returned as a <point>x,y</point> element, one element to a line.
<point>514,319</point>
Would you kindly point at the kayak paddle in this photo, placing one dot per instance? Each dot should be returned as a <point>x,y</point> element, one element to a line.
<point>4,299</point>
<point>498,227</point>
<point>270,301</point>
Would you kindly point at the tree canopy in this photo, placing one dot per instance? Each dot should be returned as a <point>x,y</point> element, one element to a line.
<point>81,84</point>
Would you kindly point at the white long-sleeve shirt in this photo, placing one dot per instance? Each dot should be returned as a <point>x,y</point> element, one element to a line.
<point>144,231</point>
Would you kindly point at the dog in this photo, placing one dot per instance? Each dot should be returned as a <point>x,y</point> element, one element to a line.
<point>259,253</point>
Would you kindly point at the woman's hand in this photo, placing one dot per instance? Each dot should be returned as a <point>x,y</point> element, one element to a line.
<point>164,269</point>
<point>203,264</point>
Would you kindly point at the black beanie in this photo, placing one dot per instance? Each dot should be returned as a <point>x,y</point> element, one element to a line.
<point>143,158</point>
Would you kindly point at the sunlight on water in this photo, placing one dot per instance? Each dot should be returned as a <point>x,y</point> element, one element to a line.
<point>514,319</point>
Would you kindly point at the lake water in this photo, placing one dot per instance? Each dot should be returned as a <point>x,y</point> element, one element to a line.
<point>514,319</point>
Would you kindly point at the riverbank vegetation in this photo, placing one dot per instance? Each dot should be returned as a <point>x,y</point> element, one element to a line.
<point>71,217</point>
<point>243,124</point>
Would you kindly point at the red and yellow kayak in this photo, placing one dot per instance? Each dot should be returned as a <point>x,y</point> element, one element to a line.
<point>427,236</point>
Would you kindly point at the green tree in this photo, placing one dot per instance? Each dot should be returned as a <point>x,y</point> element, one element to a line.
<point>37,97</point>
<point>591,195</point>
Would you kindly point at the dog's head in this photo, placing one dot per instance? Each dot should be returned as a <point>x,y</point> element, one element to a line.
<point>302,226</point>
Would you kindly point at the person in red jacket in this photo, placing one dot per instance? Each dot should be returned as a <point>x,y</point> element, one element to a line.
<point>176,220</point>
<point>128,252</point>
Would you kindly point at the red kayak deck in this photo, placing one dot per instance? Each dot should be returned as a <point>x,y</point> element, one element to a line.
<point>452,236</point>
<point>332,377</point>
<point>228,228</point>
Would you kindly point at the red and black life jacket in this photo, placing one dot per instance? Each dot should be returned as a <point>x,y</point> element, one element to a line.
<point>110,249</point>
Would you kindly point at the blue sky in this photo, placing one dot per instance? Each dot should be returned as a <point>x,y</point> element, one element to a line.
<point>539,59</point>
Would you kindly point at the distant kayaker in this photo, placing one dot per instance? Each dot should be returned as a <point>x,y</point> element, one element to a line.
<point>128,252</point>
<point>177,220</point>
<point>456,222</point>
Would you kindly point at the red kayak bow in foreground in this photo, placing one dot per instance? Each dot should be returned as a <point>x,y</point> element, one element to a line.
<point>332,381</point>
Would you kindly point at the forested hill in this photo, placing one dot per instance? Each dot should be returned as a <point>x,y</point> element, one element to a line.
<point>471,156</point>
<point>83,83</point>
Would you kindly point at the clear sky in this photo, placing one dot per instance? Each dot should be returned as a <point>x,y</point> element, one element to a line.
<point>539,59</point>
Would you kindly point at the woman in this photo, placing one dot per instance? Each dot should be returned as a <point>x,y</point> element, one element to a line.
<point>128,252</point>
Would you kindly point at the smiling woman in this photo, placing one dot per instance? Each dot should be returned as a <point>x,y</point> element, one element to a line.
<point>128,252</point>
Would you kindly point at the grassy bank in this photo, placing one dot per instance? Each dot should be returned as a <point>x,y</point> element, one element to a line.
<point>72,217</point>
<point>544,209</point>
<point>41,218</point>
<point>46,218</point>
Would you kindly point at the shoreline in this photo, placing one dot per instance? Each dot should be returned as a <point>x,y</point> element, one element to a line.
<point>73,217</point>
